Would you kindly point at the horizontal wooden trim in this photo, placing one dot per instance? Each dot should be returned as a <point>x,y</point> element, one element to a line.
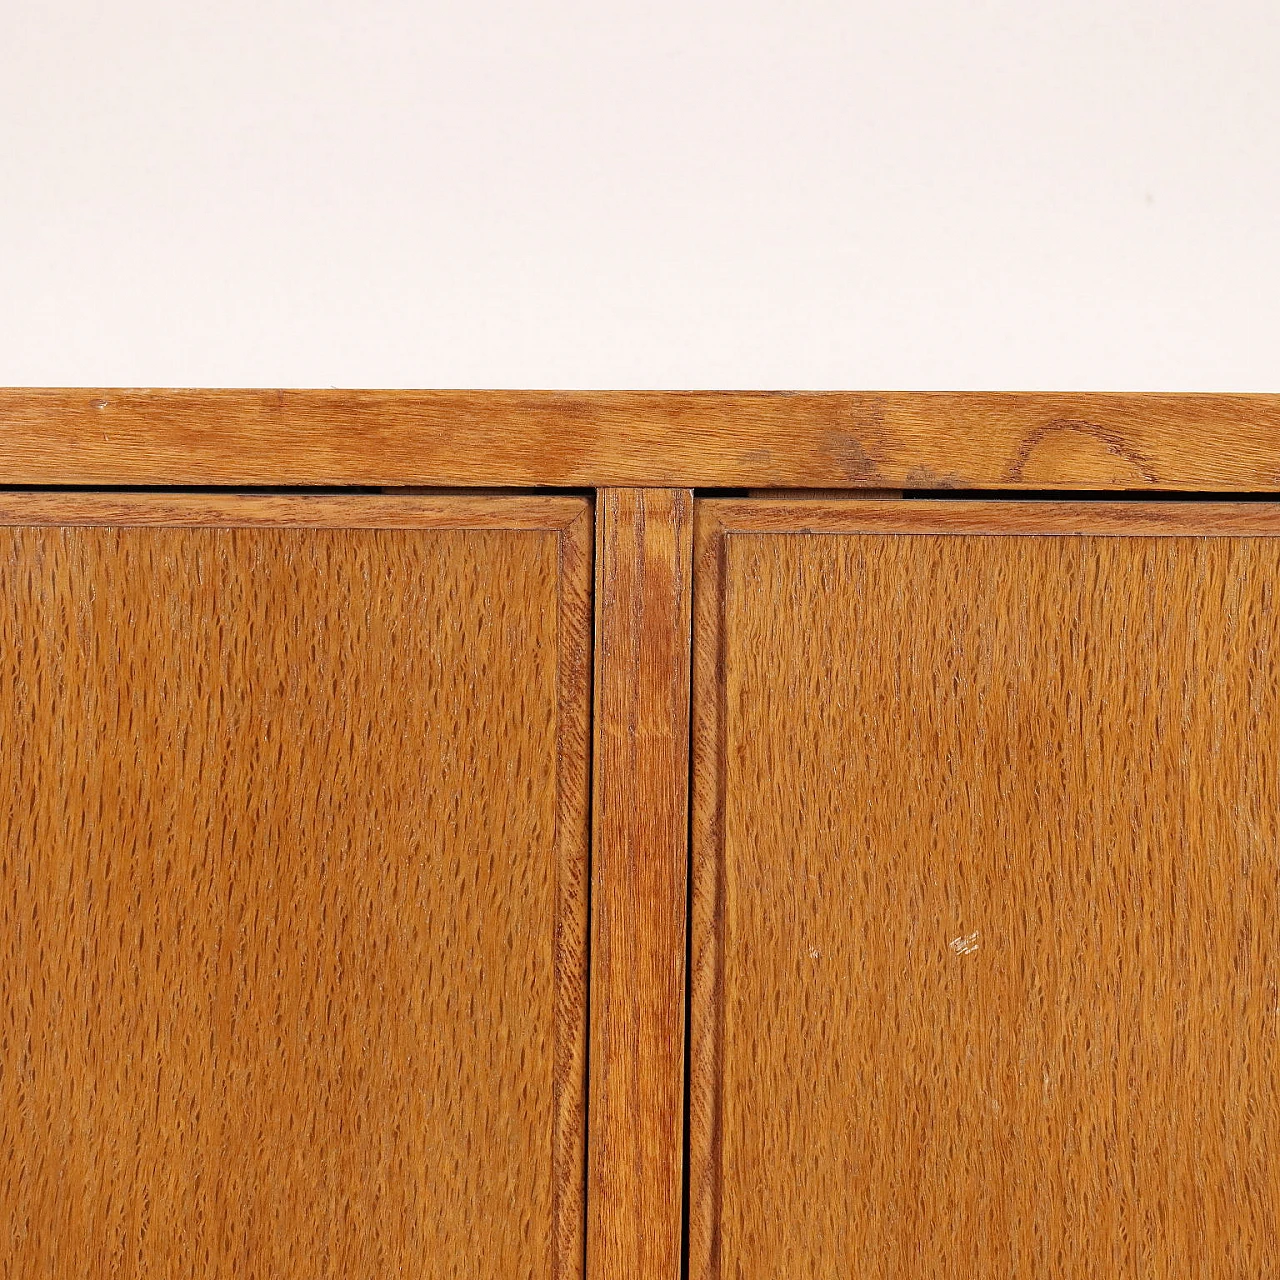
<point>845,440</point>
<point>993,516</point>
<point>311,511</point>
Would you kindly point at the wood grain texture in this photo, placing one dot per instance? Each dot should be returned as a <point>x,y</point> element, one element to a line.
<point>601,438</point>
<point>811,495</point>
<point>293,849</point>
<point>639,883</point>
<point>986,912</point>
<point>302,511</point>
<point>721,517</point>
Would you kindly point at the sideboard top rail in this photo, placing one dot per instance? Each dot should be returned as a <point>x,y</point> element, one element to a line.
<point>701,439</point>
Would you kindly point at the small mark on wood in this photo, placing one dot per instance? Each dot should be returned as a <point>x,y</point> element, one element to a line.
<point>927,478</point>
<point>849,455</point>
<point>1112,441</point>
<point>966,945</point>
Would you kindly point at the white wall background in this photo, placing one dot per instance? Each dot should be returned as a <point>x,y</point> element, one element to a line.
<point>1073,194</point>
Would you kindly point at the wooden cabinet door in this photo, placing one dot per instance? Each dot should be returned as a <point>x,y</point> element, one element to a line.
<point>986,927</point>
<point>293,854</point>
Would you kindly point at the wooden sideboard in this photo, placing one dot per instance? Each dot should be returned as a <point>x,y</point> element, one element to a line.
<point>640,835</point>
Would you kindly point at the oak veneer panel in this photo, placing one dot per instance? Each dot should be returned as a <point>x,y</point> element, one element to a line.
<point>293,825</point>
<point>639,868</point>
<point>987,917</point>
<point>675,438</point>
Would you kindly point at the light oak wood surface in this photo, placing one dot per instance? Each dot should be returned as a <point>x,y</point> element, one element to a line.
<point>255,1012</point>
<point>293,857</point>
<point>986,919</point>
<point>814,440</point>
<point>295,510</point>
<point>639,883</point>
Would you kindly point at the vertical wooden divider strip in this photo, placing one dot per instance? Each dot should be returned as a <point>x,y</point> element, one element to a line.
<point>639,883</point>
<point>704,861</point>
